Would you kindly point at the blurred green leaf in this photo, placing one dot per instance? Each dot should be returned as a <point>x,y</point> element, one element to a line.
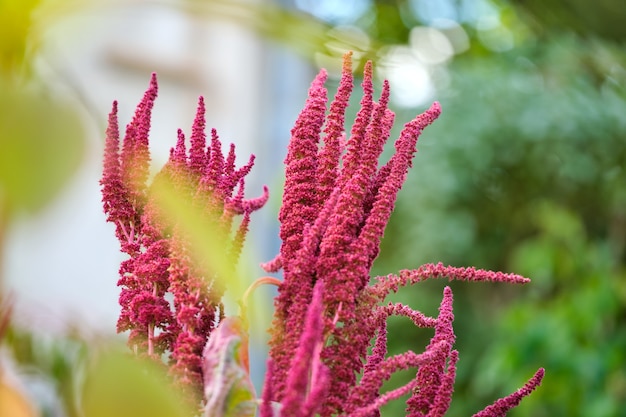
<point>41,145</point>
<point>203,238</point>
<point>15,26</point>
<point>306,35</point>
<point>118,384</point>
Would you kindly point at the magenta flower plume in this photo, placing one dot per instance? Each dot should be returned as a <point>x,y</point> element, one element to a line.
<point>307,381</point>
<point>328,352</point>
<point>300,203</point>
<point>336,205</point>
<point>335,248</point>
<point>377,369</point>
<point>391,282</point>
<point>168,303</point>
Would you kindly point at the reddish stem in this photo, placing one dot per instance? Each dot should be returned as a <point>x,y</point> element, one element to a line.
<point>257,283</point>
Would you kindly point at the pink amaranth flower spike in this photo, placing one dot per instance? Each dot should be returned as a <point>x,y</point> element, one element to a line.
<point>300,203</point>
<point>307,383</point>
<point>330,154</point>
<point>503,405</point>
<point>336,205</point>
<point>169,303</point>
<point>328,352</point>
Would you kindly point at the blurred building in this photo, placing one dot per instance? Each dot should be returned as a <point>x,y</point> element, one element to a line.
<point>63,263</point>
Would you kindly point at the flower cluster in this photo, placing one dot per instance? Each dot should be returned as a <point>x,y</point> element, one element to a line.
<point>336,204</point>
<point>328,347</point>
<point>160,259</point>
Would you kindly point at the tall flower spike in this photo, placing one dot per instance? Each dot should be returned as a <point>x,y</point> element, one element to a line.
<point>135,152</point>
<point>111,181</point>
<point>382,173</point>
<point>229,167</point>
<point>240,236</point>
<point>293,300</point>
<point>301,381</point>
<point>329,155</point>
<point>179,153</point>
<point>299,199</point>
<point>212,175</point>
<point>373,230</point>
<point>359,128</point>
<point>197,155</point>
<point>443,398</point>
<point>114,198</point>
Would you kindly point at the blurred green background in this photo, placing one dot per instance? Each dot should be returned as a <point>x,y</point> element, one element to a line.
<point>523,172</point>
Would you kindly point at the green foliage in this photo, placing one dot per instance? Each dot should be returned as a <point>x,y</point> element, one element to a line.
<point>15,26</point>
<point>516,129</point>
<point>41,140</point>
<point>525,173</point>
<point>605,18</point>
<point>574,328</point>
<point>120,384</point>
<point>41,145</point>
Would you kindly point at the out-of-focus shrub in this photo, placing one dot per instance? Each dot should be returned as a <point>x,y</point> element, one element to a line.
<point>526,173</point>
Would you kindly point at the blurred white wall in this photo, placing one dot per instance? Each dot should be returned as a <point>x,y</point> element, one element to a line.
<point>62,264</point>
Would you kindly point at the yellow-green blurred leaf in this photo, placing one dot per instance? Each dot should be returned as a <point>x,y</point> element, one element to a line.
<point>15,24</point>
<point>122,385</point>
<point>41,144</point>
<point>207,245</point>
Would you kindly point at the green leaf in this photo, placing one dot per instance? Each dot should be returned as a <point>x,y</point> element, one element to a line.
<point>207,246</point>
<point>122,385</point>
<point>15,26</point>
<point>41,145</point>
